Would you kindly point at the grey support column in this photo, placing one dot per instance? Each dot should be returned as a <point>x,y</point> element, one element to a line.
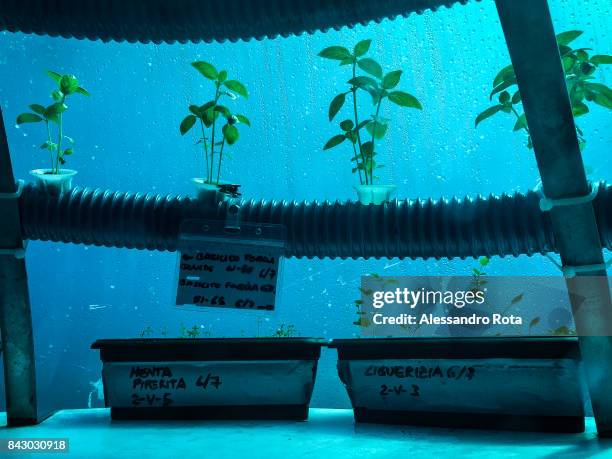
<point>535,57</point>
<point>15,314</point>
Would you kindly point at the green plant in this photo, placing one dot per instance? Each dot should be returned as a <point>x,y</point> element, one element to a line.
<point>208,114</point>
<point>579,68</point>
<point>366,293</point>
<point>478,274</point>
<point>380,87</point>
<point>285,331</point>
<point>184,332</point>
<point>54,115</point>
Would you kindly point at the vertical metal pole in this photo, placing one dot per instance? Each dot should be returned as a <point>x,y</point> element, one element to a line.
<point>535,57</point>
<point>15,314</point>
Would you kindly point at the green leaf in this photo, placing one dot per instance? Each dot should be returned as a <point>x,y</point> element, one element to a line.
<point>223,110</point>
<point>565,38</point>
<point>516,98</point>
<point>488,113</point>
<point>335,105</point>
<point>579,109</point>
<point>363,82</point>
<point>504,97</point>
<point>521,123</point>
<point>483,261</point>
<point>230,132</point>
<point>68,151</point>
<point>28,118</point>
<point>335,140</point>
<point>391,79</point>
<point>347,125</point>
<point>602,100</point>
<point>206,69</point>
<point>187,124</point>
<point>362,124</point>
<point>565,50</point>
<point>69,84</point>
<point>362,47</point>
<point>206,106</point>
<point>209,116</point>
<point>57,95</point>
<point>599,88</point>
<point>338,53</point>
<point>237,87</point>
<point>587,69</point>
<point>582,55</point>
<point>377,129</point>
<point>517,299</point>
<point>195,110</point>
<point>370,66</point>
<point>503,85</point>
<point>55,109</point>
<point>367,148</point>
<point>599,59</point>
<point>222,76</point>
<point>347,61</point>
<point>83,91</point>
<point>39,109</point>
<point>243,119</point>
<point>507,73</point>
<point>568,62</point>
<point>403,99</point>
<point>54,76</point>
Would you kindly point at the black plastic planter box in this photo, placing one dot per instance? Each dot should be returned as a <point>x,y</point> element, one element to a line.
<point>234,378</point>
<point>493,383</point>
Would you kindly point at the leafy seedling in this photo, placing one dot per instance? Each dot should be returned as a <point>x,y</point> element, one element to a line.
<point>53,115</point>
<point>580,69</point>
<point>208,114</point>
<point>380,86</point>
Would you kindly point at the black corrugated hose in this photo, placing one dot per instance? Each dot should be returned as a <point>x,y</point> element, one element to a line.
<point>445,228</point>
<point>197,20</point>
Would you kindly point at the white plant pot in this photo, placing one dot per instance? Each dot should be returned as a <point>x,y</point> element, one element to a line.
<point>54,183</point>
<point>209,192</point>
<point>375,194</point>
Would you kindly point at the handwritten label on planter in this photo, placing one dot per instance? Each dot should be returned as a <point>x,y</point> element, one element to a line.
<point>167,384</point>
<point>495,385</point>
<point>237,269</point>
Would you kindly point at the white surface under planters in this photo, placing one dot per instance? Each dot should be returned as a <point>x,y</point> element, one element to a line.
<point>327,434</point>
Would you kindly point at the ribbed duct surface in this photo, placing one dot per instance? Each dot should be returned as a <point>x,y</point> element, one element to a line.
<point>493,225</point>
<point>197,20</point>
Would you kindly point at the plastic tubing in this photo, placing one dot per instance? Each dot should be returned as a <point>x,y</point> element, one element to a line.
<point>444,228</point>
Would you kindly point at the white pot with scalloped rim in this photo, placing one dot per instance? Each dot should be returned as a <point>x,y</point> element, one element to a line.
<point>209,192</point>
<point>375,194</point>
<point>54,183</point>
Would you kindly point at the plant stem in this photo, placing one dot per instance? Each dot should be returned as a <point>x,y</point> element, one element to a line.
<point>354,91</point>
<point>526,127</point>
<point>205,146</point>
<point>357,159</point>
<point>49,143</point>
<point>374,138</point>
<point>220,158</point>
<point>212,139</point>
<point>59,140</point>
